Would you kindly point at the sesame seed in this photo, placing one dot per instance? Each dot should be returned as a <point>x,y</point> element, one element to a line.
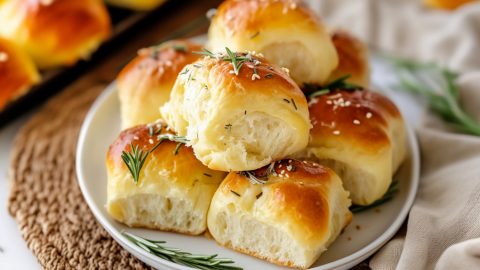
<point>150,141</point>
<point>279,166</point>
<point>135,137</point>
<point>286,70</point>
<point>282,172</point>
<point>356,122</point>
<point>3,57</point>
<point>168,63</point>
<point>293,5</point>
<point>336,132</point>
<point>368,115</point>
<point>329,102</point>
<point>290,161</point>
<point>255,76</point>
<point>231,72</point>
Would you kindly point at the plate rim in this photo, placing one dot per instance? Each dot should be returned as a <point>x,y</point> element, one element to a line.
<point>150,259</point>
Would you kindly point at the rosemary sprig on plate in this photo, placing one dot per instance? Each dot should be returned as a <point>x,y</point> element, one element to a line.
<point>206,262</point>
<point>392,190</point>
<point>313,90</point>
<point>135,158</point>
<point>438,86</point>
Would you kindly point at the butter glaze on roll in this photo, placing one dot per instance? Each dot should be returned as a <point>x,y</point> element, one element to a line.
<point>17,72</point>
<point>287,32</point>
<point>238,122</point>
<point>146,82</point>
<point>55,32</point>
<point>353,59</point>
<point>290,220</point>
<point>136,4</point>
<point>361,136</point>
<point>173,192</point>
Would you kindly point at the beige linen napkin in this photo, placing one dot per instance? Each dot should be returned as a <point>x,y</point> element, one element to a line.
<point>446,212</point>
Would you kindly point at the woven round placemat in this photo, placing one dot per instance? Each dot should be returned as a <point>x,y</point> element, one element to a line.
<point>45,198</point>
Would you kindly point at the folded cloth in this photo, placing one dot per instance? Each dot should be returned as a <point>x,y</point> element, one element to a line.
<point>446,213</point>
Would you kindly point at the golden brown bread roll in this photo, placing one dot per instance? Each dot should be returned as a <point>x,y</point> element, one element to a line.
<point>361,136</point>
<point>286,32</point>
<point>145,83</point>
<point>353,59</point>
<point>290,220</point>
<point>174,189</point>
<point>17,72</point>
<point>136,4</point>
<point>238,122</point>
<point>55,32</point>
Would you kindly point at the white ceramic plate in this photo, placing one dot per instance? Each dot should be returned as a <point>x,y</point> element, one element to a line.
<point>366,234</point>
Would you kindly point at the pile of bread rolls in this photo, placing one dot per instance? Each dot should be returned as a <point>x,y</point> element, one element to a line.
<point>227,142</point>
<point>45,34</point>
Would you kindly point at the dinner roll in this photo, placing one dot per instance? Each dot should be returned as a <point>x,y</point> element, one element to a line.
<point>353,59</point>
<point>145,83</point>
<point>238,122</point>
<point>173,191</point>
<point>17,72</point>
<point>361,136</point>
<point>55,32</point>
<point>290,220</point>
<point>287,32</point>
<point>136,4</point>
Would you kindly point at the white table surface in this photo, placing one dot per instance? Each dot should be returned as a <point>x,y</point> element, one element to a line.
<point>14,253</point>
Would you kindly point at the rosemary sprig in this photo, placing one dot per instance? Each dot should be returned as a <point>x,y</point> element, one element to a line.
<point>178,256</point>
<point>135,158</point>
<point>313,90</point>
<point>236,59</point>
<point>438,86</point>
<point>392,190</point>
<point>256,179</point>
<point>253,178</point>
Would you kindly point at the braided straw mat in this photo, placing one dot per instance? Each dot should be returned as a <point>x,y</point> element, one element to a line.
<point>45,198</point>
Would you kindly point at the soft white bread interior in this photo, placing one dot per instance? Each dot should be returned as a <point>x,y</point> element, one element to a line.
<point>145,83</point>
<point>290,220</point>
<point>361,135</point>
<point>287,32</point>
<point>55,32</point>
<point>238,122</point>
<point>173,192</point>
<point>353,59</point>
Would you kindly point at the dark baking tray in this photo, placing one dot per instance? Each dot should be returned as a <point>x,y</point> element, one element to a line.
<point>53,81</point>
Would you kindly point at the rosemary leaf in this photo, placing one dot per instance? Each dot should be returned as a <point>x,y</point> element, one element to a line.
<point>392,190</point>
<point>438,86</point>
<point>178,256</point>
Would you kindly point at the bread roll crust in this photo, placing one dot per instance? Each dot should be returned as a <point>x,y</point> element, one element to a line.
<point>17,72</point>
<point>267,27</point>
<point>238,122</point>
<point>361,135</point>
<point>352,58</point>
<point>303,201</point>
<point>136,4</point>
<point>57,32</point>
<point>145,83</point>
<point>178,179</point>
